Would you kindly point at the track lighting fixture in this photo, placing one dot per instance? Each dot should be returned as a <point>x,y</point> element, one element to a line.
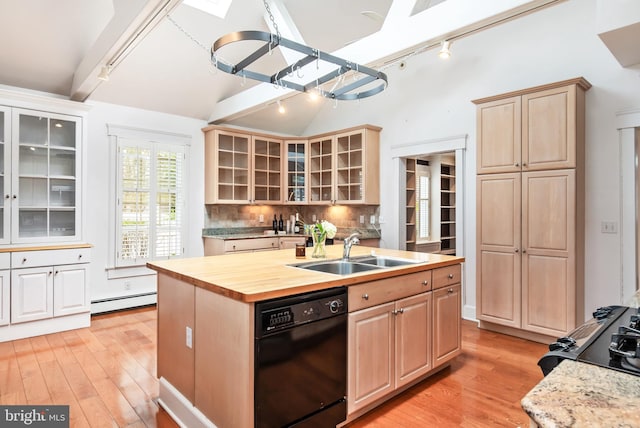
<point>445,51</point>
<point>104,73</point>
<point>281,108</point>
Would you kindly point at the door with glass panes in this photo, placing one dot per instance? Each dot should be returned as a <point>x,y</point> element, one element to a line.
<point>45,185</point>
<point>5,174</point>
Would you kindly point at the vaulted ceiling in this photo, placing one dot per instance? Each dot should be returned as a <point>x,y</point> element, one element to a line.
<point>160,49</point>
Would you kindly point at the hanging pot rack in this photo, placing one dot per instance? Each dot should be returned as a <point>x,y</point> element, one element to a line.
<point>362,75</point>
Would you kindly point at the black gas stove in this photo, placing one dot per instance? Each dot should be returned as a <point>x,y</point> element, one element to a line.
<point>611,339</point>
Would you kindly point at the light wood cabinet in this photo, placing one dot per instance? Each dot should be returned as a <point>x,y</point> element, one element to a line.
<point>535,129</point>
<point>242,168</point>
<point>344,168</point>
<point>447,313</point>
<point>530,227</point>
<point>447,209</point>
<point>410,202</point>
<point>389,346</point>
<point>296,180</point>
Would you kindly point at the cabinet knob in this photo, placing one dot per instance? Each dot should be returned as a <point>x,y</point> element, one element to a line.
<point>50,273</point>
<point>524,164</point>
<point>79,256</point>
<point>399,311</point>
<point>450,290</point>
<point>524,251</point>
<point>450,276</point>
<point>365,296</point>
<point>57,272</point>
<point>24,260</point>
<point>517,250</point>
<point>425,282</point>
<point>15,196</point>
<point>517,164</point>
<point>234,247</point>
<point>7,196</point>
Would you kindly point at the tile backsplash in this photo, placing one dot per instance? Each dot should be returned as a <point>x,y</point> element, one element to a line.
<point>343,216</point>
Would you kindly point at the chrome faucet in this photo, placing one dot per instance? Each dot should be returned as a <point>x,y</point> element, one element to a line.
<point>348,242</point>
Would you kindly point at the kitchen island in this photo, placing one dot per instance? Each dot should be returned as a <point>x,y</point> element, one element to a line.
<point>206,327</point>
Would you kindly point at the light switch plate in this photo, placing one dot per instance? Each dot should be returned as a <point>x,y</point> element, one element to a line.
<point>361,219</point>
<point>609,227</point>
<point>372,220</point>
<point>189,337</point>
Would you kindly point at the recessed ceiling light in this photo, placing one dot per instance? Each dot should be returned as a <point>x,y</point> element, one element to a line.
<point>217,8</point>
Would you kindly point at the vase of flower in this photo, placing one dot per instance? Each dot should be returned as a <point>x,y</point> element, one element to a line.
<point>319,234</point>
<point>319,250</point>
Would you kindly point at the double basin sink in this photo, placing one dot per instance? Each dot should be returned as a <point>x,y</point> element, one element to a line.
<point>355,264</point>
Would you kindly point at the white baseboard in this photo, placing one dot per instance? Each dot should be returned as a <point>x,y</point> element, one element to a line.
<point>181,410</point>
<point>45,326</point>
<point>469,313</point>
<point>101,306</point>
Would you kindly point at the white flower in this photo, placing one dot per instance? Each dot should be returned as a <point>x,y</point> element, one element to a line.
<point>329,228</point>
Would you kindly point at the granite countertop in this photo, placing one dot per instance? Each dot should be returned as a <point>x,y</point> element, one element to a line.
<point>577,394</point>
<point>259,232</point>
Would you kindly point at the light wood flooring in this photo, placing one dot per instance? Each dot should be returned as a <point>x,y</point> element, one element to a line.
<point>106,374</point>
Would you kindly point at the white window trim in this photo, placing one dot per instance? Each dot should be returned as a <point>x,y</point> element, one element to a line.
<point>125,132</point>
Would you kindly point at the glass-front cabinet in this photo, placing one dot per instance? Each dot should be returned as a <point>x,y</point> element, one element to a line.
<point>267,164</point>
<point>321,170</point>
<point>5,174</point>
<point>40,177</point>
<point>296,175</point>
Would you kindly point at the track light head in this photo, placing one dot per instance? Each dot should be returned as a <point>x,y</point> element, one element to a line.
<point>445,50</point>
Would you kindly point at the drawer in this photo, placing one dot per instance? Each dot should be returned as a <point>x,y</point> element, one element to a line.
<point>24,259</point>
<point>232,245</point>
<point>445,276</point>
<point>5,260</point>
<point>387,290</point>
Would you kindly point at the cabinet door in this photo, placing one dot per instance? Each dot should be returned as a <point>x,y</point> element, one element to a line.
<point>447,314</point>
<point>5,174</point>
<point>548,238</point>
<point>70,290</point>
<point>499,136</point>
<point>31,294</point>
<point>267,166</point>
<point>498,236</point>
<point>350,154</point>
<point>232,167</point>
<point>371,355</point>
<point>549,129</point>
<point>5,297</point>
<point>413,338</point>
<point>45,176</point>
<point>296,172</point>
<point>321,171</point>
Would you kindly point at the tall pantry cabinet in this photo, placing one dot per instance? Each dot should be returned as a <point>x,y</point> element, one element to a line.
<point>530,210</point>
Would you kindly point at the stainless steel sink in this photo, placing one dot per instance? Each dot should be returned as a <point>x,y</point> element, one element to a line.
<point>337,267</point>
<point>383,261</point>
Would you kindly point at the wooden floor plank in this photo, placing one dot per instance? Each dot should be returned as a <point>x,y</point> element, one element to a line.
<point>106,374</point>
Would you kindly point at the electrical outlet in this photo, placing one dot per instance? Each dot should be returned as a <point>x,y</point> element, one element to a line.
<point>261,218</point>
<point>380,219</point>
<point>372,220</point>
<point>361,219</point>
<point>189,337</point>
<point>313,218</point>
<point>609,227</point>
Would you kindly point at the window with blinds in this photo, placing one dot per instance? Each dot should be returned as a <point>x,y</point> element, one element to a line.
<point>422,205</point>
<point>150,201</point>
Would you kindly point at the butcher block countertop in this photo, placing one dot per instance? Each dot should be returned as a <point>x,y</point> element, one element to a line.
<point>252,277</point>
<point>577,394</point>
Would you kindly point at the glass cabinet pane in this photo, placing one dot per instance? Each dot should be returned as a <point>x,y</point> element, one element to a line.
<point>44,178</point>
<point>296,172</point>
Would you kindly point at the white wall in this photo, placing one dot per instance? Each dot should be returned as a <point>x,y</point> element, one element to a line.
<point>431,99</point>
<point>98,204</point>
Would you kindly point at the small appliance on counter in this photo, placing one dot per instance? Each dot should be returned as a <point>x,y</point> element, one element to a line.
<point>611,339</point>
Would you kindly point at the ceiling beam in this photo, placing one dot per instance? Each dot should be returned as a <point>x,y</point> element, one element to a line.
<point>132,21</point>
<point>399,36</point>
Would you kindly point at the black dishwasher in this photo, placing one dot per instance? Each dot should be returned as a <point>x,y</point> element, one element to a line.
<point>301,360</point>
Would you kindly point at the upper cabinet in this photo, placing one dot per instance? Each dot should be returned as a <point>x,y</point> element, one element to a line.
<point>40,176</point>
<point>345,167</point>
<point>336,168</point>
<point>297,186</point>
<point>242,168</point>
<point>530,130</point>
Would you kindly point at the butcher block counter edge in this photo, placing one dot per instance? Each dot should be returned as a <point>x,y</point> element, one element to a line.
<point>253,277</point>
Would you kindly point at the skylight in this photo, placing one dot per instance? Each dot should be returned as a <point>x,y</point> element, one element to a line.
<point>217,8</point>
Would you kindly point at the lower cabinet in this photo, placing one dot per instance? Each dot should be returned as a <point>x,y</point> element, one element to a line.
<point>41,286</point>
<point>447,313</point>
